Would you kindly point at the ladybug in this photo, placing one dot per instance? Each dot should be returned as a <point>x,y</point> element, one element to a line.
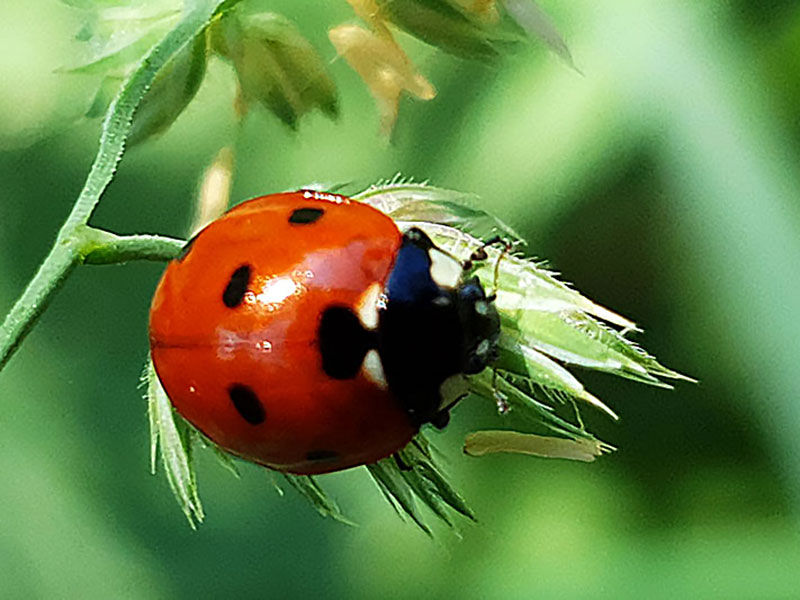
<point>306,332</point>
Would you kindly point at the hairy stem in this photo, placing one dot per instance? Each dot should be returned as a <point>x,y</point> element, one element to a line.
<point>117,123</point>
<point>77,243</point>
<point>104,248</point>
<point>84,245</point>
<point>49,278</point>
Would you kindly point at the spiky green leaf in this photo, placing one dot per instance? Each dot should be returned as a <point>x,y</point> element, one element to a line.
<point>172,438</point>
<point>308,487</point>
<point>405,200</point>
<point>387,475</point>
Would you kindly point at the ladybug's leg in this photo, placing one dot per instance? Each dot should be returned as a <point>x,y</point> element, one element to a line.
<point>442,418</point>
<point>499,397</point>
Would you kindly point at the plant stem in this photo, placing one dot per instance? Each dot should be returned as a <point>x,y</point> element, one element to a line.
<point>48,279</point>
<point>84,245</point>
<point>105,248</point>
<point>76,242</point>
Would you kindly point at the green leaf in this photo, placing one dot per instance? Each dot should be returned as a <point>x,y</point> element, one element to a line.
<point>542,314</point>
<point>109,88</point>
<point>404,200</point>
<point>119,60</point>
<point>172,438</point>
<point>114,38</point>
<point>531,18</point>
<point>388,478</point>
<point>440,24</point>
<point>308,487</point>
<point>545,324</point>
<point>417,455</point>
<point>522,405</point>
<point>411,476</point>
<point>118,119</point>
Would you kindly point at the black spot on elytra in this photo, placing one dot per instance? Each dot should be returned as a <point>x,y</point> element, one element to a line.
<point>237,286</point>
<point>246,402</point>
<point>322,455</point>
<point>343,342</point>
<point>305,216</point>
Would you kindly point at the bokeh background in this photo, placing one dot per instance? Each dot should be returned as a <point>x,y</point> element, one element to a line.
<point>662,182</point>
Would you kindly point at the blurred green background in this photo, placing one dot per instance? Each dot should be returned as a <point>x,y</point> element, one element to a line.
<point>662,182</point>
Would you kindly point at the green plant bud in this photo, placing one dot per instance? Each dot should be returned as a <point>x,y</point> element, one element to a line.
<point>276,66</point>
<point>450,27</point>
<point>174,87</point>
<point>546,326</point>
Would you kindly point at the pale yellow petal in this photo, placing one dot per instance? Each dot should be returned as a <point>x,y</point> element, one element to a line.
<point>385,68</point>
<point>480,443</point>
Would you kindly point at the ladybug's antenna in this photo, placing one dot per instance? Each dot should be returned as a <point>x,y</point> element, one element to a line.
<point>496,283</point>
<point>480,255</point>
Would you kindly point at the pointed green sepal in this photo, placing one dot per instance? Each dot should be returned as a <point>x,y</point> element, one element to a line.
<point>276,66</point>
<point>173,438</point>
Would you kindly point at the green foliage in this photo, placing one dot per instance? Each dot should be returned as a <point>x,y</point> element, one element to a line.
<point>113,39</point>
<point>405,200</point>
<point>71,245</point>
<point>275,64</point>
<point>663,182</point>
<point>543,320</point>
<point>307,486</point>
<point>478,29</point>
<point>440,24</point>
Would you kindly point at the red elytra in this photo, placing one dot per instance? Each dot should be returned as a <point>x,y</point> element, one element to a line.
<point>234,327</point>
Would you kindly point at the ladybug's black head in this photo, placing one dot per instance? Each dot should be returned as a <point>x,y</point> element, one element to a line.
<point>480,326</point>
<point>434,328</point>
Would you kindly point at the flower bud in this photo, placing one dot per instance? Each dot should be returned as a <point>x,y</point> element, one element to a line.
<point>276,66</point>
<point>172,90</point>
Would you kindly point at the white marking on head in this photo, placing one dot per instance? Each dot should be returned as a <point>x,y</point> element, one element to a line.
<point>445,270</point>
<point>372,368</point>
<point>367,306</point>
